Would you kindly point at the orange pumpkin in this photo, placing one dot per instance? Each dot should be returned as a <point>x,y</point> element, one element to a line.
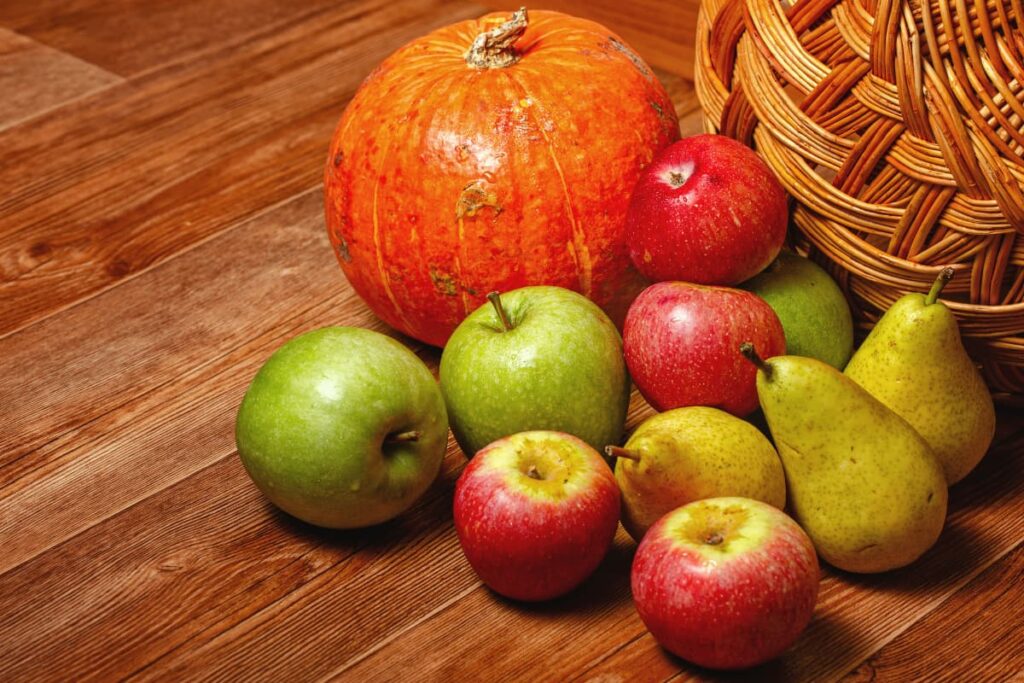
<point>490,155</point>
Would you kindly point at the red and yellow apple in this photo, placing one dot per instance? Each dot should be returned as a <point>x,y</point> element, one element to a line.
<point>681,343</point>
<point>535,513</point>
<point>707,210</point>
<point>725,583</point>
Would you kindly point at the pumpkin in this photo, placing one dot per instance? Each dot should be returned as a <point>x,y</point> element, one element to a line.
<point>489,155</point>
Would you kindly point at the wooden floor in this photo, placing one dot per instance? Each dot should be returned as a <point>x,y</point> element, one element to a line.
<point>160,234</point>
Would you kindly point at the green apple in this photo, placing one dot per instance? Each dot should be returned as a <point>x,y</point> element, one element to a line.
<point>689,454</point>
<point>814,313</point>
<point>535,358</point>
<point>342,427</point>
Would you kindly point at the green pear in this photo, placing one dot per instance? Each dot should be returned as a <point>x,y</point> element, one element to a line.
<point>862,483</point>
<point>914,362</point>
<point>811,307</point>
<point>689,454</point>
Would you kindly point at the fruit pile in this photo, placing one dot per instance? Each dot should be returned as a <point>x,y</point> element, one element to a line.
<point>344,427</point>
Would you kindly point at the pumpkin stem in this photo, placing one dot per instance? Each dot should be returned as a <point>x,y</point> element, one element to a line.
<point>494,49</point>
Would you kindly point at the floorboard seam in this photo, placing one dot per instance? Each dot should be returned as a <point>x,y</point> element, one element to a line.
<point>131,504</point>
<point>60,105</point>
<point>608,655</point>
<point>195,636</point>
<point>381,644</point>
<point>163,261</point>
<point>4,494</point>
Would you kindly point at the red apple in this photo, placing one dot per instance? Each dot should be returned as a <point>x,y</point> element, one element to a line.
<point>535,513</point>
<point>681,343</point>
<point>725,583</point>
<point>706,210</point>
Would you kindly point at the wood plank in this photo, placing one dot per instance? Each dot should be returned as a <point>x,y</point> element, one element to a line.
<point>978,635</point>
<point>78,366</point>
<point>407,570</point>
<point>856,615</point>
<point>159,164</point>
<point>661,31</point>
<point>171,568</point>
<point>35,78</point>
<point>110,431</point>
<point>511,641</point>
<point>128,38</point>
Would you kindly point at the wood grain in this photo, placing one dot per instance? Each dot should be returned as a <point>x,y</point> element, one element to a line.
<point>35,78</point>
<point>970,639</point>
<point>160,164</point>
<point>128,38</point>
<point>111,430</point>
<point>662,31</point>
<point>158,239</point>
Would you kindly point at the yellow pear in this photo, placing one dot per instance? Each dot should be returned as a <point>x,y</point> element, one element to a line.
<point>862,483</point>
<point>689,454</point>
<point>914,362</point>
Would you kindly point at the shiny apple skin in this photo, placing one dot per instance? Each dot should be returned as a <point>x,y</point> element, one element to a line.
<point>681,343</point>
<point>536,539</point>
<point>707,210</point>
<point>732,605</point>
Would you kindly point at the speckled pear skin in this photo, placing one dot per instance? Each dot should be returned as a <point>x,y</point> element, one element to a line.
<point>694,453</point>
<point>862,483</point>
<point>914,362</point>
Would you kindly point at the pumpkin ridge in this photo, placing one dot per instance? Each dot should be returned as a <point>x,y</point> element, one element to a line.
<point>460,220</point>
<point>384,279</point>
<point>579,251</point>
<point>412,96</point>
<point>541,37</point>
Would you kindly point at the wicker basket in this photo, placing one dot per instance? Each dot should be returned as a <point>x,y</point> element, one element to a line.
<point>900,140</point>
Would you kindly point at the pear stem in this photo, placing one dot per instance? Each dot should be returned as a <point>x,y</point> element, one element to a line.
<point>748,350</point>
<point>619,452</point>
<point>933,294</point>
<point>403,437</point>
<point>495,299</point>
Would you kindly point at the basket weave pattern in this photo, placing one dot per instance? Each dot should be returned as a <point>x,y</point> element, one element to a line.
<point>898,127</point>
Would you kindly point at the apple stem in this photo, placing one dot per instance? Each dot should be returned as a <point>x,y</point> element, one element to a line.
<point>495,299</point>
<point>533,473</point>
<point>403,437</point>
<point>933,294</point>
<point>619,452</point>
<point>748,350</point>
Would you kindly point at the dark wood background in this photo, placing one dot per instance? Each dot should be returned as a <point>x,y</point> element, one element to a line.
<point>160,235</point>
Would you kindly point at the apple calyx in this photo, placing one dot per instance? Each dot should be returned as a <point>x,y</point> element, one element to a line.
<point>403,437</point>
<point>677,177</point>
<point>495,299</point>
<point>748,350</point>
<point>714,538</point>
<point>619,452</point>
<point>533,473</point>
<point>945,276</point>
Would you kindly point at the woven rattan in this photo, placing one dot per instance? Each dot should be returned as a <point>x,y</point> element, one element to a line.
<point>898,128</point>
